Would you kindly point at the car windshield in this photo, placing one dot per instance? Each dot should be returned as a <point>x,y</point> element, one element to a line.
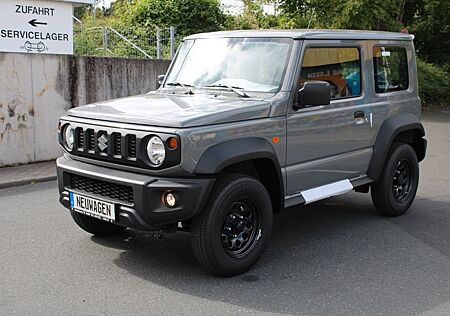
<point>251,64</point>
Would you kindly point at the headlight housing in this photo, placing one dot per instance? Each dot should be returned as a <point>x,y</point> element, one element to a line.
<point>156,151</point>
<point>68,136</point>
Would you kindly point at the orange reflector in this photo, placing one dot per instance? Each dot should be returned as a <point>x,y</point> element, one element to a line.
<point>172,143</point>
<point>276,139</point>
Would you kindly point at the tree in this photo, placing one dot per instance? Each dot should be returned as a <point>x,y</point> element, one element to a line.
<point>252,17</point>
<point>345,14</point>
<point>186,16</point>
<point>431,26</point>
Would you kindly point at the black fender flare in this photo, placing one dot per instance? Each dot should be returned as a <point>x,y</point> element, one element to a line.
<point>389,130</point>
<point>217,157</point>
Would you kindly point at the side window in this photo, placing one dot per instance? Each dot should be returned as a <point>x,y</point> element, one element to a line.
<point>390,69</point>
<point>340,67</point>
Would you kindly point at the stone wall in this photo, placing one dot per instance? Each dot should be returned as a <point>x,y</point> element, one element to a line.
<point>35,90</point>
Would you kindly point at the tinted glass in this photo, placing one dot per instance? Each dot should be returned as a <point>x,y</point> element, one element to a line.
<point>390,68</point>
<point>340,67</point>
<point>253,64</point>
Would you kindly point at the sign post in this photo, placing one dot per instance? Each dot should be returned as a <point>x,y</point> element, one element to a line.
<point>37,26</point>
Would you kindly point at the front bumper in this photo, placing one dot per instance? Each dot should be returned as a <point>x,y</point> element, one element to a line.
<point>144,208</point>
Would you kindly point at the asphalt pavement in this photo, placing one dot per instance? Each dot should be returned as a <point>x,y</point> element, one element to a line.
<point>335,257</point>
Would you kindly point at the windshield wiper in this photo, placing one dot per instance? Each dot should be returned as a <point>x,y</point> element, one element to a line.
<point>179,84</point>
<point>232,88</point>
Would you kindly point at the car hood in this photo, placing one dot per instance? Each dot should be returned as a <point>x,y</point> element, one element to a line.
<point>157,109</point>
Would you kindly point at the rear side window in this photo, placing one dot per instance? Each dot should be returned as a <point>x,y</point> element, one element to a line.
<point>390,69</point>
<point>339,66</point>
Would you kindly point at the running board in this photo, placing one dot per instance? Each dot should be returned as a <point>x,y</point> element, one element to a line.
<point>325,191</point>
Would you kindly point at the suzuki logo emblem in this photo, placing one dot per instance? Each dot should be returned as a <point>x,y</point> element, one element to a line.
<point>102,142</point>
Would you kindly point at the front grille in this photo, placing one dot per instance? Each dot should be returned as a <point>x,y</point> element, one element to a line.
<point>105,189</point>
<point>117,145</point>
<point>114,145</point>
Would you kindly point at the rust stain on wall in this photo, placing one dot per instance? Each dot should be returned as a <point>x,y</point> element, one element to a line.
<point>14,116</point>
<point>41,93</point>
<point>73,81</point>
<point>91,78</point>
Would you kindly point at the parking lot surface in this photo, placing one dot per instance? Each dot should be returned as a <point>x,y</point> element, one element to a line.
<point>336,257</point>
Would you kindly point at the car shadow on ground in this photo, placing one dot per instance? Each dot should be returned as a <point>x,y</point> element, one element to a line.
<point>335,257</point>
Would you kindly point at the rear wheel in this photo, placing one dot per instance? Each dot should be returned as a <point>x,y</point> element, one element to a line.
<point>231,233</point>
<point>95,226</point>
<point>394,193</point>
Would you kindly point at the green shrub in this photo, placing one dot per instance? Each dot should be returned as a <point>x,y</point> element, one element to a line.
<point>434,84</point>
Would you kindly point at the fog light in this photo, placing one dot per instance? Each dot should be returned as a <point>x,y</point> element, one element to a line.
<point>170,200</point>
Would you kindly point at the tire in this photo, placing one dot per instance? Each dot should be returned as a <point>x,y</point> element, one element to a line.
<point>95,226</point>
<point>227,245</point>
<point>396,189</point>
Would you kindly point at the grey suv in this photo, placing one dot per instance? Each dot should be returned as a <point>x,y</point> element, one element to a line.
<point>244,125</point>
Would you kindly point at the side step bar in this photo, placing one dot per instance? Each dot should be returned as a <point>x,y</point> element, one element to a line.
<point>325,191</point>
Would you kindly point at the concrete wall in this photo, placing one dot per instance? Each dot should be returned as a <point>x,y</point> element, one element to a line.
<point>35,90</point>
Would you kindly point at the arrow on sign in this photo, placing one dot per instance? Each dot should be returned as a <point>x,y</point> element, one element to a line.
<point>34,23</point>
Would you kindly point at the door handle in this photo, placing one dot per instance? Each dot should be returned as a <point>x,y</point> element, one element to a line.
<point>360,117</point>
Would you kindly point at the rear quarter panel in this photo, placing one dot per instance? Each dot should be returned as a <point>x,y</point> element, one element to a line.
<point>386,105</point>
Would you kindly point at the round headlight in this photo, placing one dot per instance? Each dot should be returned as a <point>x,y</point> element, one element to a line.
<point>156,151</point>
<point>68,137</point>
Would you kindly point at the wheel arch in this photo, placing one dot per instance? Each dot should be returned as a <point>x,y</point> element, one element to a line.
<point>405,128</point>
<point>252,156</point>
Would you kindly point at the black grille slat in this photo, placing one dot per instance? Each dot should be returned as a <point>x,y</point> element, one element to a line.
<point>80,138</point>
<point>117,144</point>
<point>90,137</point>
<point>131,146</point>
<point>105,189</point>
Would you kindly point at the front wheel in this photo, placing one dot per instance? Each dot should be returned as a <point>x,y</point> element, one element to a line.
<point>393,194</point>
<point>231,233</point>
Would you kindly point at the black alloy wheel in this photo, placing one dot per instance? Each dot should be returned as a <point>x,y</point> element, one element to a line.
<point>232,231</point>
<point>240,228</point>
<point>401,180</point>
<point>396,189</point>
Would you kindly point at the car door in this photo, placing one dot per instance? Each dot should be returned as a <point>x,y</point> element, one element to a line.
<point>329,143</point>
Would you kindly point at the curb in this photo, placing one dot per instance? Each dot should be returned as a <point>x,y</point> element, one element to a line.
<point>26,181</point>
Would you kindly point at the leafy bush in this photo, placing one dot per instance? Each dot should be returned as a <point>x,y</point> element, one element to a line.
<point>434,84</point>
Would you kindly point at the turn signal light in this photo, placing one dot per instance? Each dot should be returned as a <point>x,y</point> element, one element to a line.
<point>172,143</point>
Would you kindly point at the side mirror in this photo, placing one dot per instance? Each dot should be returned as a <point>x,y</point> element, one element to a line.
<point>313,93</point>
<point>161,79</point>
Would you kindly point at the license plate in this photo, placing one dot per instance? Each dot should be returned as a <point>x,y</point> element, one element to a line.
<point>92,207</point>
